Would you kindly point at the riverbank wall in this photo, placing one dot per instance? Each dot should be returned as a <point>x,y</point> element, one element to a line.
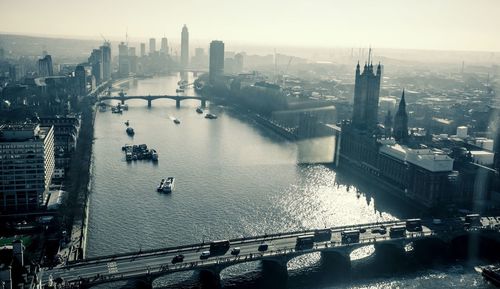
<point>78,185</point>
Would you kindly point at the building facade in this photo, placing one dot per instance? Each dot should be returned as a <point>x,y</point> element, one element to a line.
<point>216,60</point>
<point>45,67</point>
<point>366,96</point>
<point>26,166</point>
<point>184,47</point>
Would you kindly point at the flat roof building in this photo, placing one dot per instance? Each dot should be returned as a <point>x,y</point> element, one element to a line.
<point>26,165</point>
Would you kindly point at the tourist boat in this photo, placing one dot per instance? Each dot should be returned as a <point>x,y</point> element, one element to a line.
<point>177,121</point>
<point>492,274</point>
<point>160,186</point>
<point>199,110</point>
<point>102,108</point>
<point>179,90</point>
<point>210,116</point>
<point>130,131</point>
<point>127,123</point>
<point>168,186</point>
<point>128,156</point>
<point>154,155</point>
<point>116,109</point>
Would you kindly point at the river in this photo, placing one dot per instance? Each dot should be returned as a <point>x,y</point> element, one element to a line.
<point>234,178</point>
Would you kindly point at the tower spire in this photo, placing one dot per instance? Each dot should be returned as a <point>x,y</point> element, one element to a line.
<point>369,54</point>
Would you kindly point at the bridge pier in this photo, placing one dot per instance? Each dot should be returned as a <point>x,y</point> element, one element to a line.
<point>274,273</point>
<point>177,103</point>
<point>149,102</point>
<point>337,263</point>
<point>203,103</point>
<point>123,101</point>
<point>210,279</point>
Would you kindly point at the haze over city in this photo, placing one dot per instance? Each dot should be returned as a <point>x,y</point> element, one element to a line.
<point>249,144</point>
<point>417,24</point>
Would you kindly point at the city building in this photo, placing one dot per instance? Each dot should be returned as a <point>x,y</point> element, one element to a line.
<point>199,60</point>
<point>152,45</point>
<point>239,62</point>
<point>45,67</point>
<point>401,122</point>
<point>106,61</point>
<point>164,46</point>
<point>366,95</point>
<point>26,165</point>
<point>96,62</point>
<point>14,272</point>
<point>417,172</point>
<point>132,58</point>
<point>80,80</point>
<point>123,60</point>
<point>184,47</point>
<point>216,60</point>
<point>66,131</point>
<point>143,49</point>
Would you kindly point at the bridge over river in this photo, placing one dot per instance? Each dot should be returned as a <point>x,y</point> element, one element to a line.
<point>281,248</point>
<point>178,98</point>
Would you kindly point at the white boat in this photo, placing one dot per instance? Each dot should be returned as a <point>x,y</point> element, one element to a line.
<point>168,185</point>
<point>210,116</point>
<point>177,121</point>
<point>199,110</point>
<point>154,155</point>
<point>130,131</point>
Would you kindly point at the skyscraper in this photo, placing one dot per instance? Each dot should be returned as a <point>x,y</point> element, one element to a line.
<point>216,60</point>
<point>366,95</point>
<point>123,60</point>
<point>132,59</point>
<point>95,60</point>
<point>184,46</point>
<point>80,80</point>
<point>143,49</point>
<point>152,45</point>
<point>106,61</point>
<point>164,46</point>
<point>401,122</point>
<point>29,148</point>
<point>45,66</point>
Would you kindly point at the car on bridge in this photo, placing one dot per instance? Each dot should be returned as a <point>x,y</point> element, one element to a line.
<point>397,231</point>
<point>263,247</point>
<point>414,225</point>
<point>350,236</point>
<point>205,255</point>
<point>177,259</point>
<point>235,251</point>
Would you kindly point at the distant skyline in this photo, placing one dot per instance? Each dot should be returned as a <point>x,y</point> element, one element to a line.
<point>412,24</point>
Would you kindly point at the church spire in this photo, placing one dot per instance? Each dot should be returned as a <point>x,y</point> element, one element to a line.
<point>401,121</point>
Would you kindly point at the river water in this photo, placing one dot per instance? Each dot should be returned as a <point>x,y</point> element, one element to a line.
<point>234,178</point>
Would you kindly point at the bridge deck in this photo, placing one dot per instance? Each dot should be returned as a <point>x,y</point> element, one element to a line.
<point>158,262</point>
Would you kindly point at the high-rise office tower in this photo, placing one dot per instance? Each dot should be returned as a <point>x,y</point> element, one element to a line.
<point>164,46</point>
<point>401,122</point>
<point>132,58</point>
<point>366,95</point>
<point>45,67</point>
<point>80,80</point>
<point>95,60</point>
<point>26,165</point>
<point>152,45</point>
<point>184,46</point>
<point>106,61</point>
<point>143,49</point>
<point>123,60</point>
<point>216,60</point>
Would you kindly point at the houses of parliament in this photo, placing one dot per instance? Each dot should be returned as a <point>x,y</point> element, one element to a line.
<point>411,167</point>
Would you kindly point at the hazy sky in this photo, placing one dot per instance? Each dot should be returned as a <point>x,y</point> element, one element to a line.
<point>432,24</point>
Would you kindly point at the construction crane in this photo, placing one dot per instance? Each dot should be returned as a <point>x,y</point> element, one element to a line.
<point>105,40</point>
